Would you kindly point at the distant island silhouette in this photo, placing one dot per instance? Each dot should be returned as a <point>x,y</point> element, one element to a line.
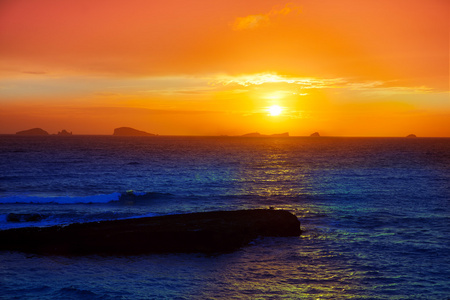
<point>64,132</point>
<point>257,134</point>
<point>33,131</point>
<point>128,131</point>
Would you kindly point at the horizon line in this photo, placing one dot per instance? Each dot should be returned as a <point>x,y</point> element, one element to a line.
<point>225,136</point>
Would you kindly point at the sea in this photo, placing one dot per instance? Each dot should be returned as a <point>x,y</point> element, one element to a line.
<point>375,215</point>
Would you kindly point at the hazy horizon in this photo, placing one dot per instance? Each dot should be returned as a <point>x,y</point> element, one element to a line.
<point>263,134</point>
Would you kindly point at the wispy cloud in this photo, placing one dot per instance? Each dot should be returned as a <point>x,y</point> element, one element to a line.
<point>378,87</point>
<point>259,20</point>
<point>263,78</point>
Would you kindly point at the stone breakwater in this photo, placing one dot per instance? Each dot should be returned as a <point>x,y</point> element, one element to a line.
<point>206,232</point>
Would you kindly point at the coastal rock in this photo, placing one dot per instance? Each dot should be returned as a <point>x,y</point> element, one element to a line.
<point>411,136</point>
<point>315,134</point>
<point>33,131</point>
<point>64,132</point>
<point>206,232</point>
<point>128,131</point>
<point>12,217</point>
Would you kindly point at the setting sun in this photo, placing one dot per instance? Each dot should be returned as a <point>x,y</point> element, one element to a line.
<point>274,110</point>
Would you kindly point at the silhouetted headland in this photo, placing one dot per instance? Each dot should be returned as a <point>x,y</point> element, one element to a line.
<point>33,131</point>
<point>128,131</point>
<point>206,232</point>
<point>315,134</point>
<point>411,136</point>
<point>257,134</point>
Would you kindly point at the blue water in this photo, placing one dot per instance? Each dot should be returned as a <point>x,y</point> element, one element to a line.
<point>375,215</point>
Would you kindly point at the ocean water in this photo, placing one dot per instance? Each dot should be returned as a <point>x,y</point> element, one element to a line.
<point>375,215</point>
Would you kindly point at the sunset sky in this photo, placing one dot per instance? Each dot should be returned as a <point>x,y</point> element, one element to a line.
<point>202,67</point>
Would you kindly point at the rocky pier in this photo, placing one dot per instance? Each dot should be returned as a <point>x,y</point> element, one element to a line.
<point>205,232</point>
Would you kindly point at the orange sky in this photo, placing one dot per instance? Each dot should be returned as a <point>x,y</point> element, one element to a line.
<point>202,67</point>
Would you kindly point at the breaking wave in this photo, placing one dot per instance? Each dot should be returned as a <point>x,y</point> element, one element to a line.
<point>125,197</point>
<point>103,198</point>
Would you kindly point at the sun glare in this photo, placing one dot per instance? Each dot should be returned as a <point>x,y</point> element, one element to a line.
<point>274,110</point>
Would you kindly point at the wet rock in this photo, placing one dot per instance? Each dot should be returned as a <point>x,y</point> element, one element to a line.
<point>208,232</point>
<point>12,217</point>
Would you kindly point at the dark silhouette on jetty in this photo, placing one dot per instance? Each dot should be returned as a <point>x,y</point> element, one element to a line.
<point>206,232</point>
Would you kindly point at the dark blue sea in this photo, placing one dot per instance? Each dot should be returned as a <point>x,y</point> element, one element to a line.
<point>375,215</point>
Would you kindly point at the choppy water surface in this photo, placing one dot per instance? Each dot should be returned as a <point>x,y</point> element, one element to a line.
<point>375,214</point>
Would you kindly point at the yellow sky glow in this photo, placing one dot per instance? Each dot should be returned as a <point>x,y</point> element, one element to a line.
<point>342,68</point>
